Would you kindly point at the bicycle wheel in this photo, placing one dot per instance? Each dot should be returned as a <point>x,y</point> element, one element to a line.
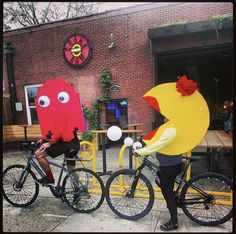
<point>207,199</point>
<point>123,204</point>
<point>19,194</point>
<point>83,190</point>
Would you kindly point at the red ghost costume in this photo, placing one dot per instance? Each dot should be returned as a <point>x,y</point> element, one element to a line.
<point>59,110</point>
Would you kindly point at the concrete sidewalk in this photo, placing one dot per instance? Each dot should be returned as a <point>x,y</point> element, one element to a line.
<point>48,214</point>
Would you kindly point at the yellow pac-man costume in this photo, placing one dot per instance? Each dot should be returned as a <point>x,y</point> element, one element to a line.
<point>187,111</point>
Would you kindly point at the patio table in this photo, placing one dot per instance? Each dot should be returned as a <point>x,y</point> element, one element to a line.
<point>135,128</point>
<point>215,141</point>
<point>103,133</point>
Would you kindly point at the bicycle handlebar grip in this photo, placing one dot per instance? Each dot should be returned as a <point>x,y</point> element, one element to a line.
<point>34,146</point>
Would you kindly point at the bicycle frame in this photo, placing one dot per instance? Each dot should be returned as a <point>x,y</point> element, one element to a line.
<point>156,169</point>
<point>32,161</point>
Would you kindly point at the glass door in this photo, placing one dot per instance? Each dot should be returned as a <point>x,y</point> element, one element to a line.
<point>30,94</point>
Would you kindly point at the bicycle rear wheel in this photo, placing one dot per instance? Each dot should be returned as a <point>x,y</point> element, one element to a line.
<point>207,199</point>
<point>19,193</point>
<point>83,190</point>
<point>134,206</point>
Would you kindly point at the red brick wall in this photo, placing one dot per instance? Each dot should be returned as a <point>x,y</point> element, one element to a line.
<point>39,57</point>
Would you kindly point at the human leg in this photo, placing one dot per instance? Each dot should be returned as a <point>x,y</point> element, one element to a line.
<point>71,152</point>
<point>167,186</point>
<point>71,149</point>
<point>53,151</point>
<point>70,165</point>
<point>43,162</point>
<point>167,180</point>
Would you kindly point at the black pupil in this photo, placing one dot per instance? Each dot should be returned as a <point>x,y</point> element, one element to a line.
<point>61,98</point>
<point>41,102</point>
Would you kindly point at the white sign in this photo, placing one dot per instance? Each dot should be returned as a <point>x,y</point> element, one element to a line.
<point>115,88</point>
<point>18,106</point>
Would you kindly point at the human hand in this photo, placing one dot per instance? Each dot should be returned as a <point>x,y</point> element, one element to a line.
<point>45,146</point>
<point>40,141</point>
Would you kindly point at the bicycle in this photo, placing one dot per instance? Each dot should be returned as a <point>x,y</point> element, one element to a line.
<point>82,189</point>
<point>205,198</point>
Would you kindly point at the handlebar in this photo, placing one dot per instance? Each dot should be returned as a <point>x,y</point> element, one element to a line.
<point>31,146</point>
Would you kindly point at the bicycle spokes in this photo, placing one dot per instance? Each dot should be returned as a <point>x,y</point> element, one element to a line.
<point>208,199</point>
<point>83,190</point>
<point>128,196</point>
<point>19,187</point>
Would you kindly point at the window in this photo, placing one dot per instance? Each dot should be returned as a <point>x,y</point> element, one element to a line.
<point>30,94</point>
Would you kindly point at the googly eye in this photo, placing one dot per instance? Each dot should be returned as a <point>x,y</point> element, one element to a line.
<point>63,97</point>
<point>44,101</point>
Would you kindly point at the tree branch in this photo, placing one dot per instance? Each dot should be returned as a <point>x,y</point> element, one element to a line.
<point>28,13</point>
<point>68,10</point>
<point>34,13</point>
<point>27,17</point>
<point>46,11</point>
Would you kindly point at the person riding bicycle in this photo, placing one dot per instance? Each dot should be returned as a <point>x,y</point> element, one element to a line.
<point>170,167</point>
<point>186,122</point>
<point>53,148</point>
<point>60,115</point>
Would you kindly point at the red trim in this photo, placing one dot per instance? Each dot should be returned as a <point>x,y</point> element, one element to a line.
<point>150,135</point>
<point>152,102</point>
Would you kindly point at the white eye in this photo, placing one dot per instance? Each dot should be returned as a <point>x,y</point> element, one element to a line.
<point>63,97</point>
<point>44,101</point>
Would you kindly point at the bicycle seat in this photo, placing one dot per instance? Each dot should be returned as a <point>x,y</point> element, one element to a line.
<point>72,153</point>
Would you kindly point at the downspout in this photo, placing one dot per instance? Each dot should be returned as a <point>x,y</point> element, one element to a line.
<point>9,52</point>
<point>153,62</point>
<point>152,58</point>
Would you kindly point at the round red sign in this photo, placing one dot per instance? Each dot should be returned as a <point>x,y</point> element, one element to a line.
<point>77,50</point>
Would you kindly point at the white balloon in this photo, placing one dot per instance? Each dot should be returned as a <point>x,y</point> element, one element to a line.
<point>137,144</point>
<point>128,141</point>
<point>114,133</point>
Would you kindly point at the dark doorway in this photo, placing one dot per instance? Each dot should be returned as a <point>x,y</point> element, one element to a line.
<point>113,113</point>
<point>210,67</point>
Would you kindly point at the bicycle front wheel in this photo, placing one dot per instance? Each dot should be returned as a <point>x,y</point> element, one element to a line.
<point>19,186</point>
<point>83,190</point>
<point>207,199</point>
<point>123,201</point>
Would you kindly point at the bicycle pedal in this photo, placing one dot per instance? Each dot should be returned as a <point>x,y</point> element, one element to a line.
<point>47,185</point>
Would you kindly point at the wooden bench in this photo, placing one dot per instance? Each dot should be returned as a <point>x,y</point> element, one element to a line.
<point>32,132</point>
<point>13,133</point>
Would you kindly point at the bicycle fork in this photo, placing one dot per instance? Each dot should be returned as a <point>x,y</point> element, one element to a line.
<point>131,193</point>
<point>23,176</point>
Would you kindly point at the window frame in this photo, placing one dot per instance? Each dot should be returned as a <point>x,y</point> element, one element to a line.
<point>28,113</point>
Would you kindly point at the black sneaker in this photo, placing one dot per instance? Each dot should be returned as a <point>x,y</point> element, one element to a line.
<point>169,226</point>
<point>45,181</point>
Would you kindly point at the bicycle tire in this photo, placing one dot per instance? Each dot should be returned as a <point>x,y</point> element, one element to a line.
<point>209,213</point>
<point>19,196</point>
<point>87,186</point>
<point>113,187</point>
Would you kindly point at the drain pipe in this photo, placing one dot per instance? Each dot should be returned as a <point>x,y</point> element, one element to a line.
<point>9,52</point>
